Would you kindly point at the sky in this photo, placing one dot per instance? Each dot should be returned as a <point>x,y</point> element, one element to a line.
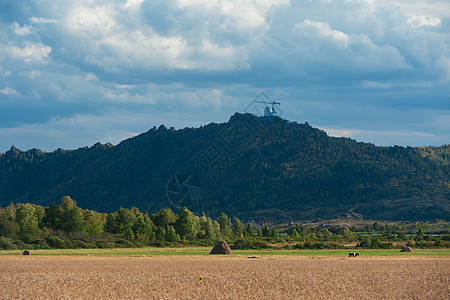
<point>73,73</point>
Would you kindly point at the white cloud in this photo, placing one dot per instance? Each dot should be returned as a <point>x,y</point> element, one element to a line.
<point>167,98</point>
<point>376,85</point>
<point>419,21</point>
<point>198,35</point>
<point>316,47</point>
<point>21,30</point>
<point>133,4</point>
<point>41,20</point>
<point>91,76</point>
<point>148,50</point>
<point>323,30</point>
<point>4,72</point>
<point>211,56</point>
<point>91,20</point>
<point>35,74</point>
<point>435,8</point>
<point>233,15</point>
<point>9,92</point>
<point>31,52</point>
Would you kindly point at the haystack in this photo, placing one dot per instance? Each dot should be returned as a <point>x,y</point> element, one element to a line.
<point>26,252</point>
<point>407,249</point>
<point>221,248</point>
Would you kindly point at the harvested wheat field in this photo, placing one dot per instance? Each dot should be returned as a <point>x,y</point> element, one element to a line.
<point>231,277</point>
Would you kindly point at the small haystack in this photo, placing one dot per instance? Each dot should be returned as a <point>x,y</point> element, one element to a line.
<point>26,252</point>
<point>221,248</point>
<point>407,249</point>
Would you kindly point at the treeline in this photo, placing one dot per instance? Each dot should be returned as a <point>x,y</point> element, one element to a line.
<point>29,226</point>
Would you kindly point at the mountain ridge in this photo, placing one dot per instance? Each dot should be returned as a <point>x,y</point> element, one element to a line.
<point>251,167</point>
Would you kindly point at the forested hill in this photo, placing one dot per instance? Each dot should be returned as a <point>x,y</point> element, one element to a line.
<point>250,167</point>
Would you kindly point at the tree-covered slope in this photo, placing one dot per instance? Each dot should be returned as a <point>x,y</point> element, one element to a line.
<point>249,167</point>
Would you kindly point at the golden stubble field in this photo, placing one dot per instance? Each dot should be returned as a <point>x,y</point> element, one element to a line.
<point>231,277</point>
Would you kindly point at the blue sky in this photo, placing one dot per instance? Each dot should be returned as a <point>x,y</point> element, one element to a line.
<point>73,73</point>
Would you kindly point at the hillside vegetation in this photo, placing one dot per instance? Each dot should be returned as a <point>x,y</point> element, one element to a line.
<point>248,167</point>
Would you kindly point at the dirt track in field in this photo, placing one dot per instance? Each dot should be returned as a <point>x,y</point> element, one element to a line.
<point>234,277</point>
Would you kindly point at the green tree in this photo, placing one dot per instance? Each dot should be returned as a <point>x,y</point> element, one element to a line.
<point>249,230</point>
<point>93,221</point>
<point>207,228</point>
<point>125,221</point>
<point>160,233</point>
<point>344,231</point>
<point>143,226</point>
<point>366,242</point>
<point>377,227</point>
<point>170,234</point>
<point>273,233</point>
<point>420,235</point>
<point>8,225</point>
<point>402,236</point>
<point>10,211</point>
<point>266,231</point>
<point>260,232</point>
<point>128,234</point>
<point>72,221</point>
<point>420,232</point>
<point>237,228</point>
<point>52,217</point>
<point>71,218</point>
<point>216,228</point>
<point>164,217</point>
<point>293,233</point>
<point>225,225</point>
<point>40,214</point>
<point>303,230</point>
<point>111,225</point>
<point>186,225</point>
<point>326,232</point>
<point>67,203</point>
<point>27,221</point>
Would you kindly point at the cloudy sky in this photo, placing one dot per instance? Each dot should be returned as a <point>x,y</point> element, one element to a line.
<point>73,73</point>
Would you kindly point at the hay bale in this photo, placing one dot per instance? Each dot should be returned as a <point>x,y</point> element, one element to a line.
<point>221,248</point>
<point>407,249</point>
<point>26,252</point>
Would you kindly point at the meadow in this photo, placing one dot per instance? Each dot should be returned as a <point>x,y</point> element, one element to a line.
<point>160,273</point>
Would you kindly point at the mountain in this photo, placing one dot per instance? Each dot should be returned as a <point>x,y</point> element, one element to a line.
<point>251,167</point>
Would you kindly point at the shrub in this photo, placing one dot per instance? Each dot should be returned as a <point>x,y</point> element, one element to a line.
<point>124,244</point>
<point>102,244</point>
<point>6,244</point>
<point>243,244</point>
<point>159,244</point>
<point>21,245</point>
<point>40,244</point>
<point>321,245</point>
<point>80,244</point>
<point>55,242</point>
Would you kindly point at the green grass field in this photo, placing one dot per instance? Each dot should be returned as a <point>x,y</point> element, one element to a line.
<point>153,251</point>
